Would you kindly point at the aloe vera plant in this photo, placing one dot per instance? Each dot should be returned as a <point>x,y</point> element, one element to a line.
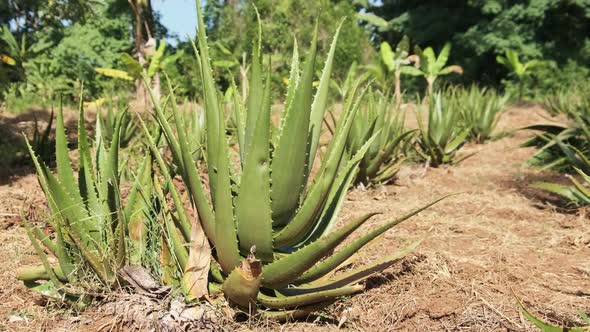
<point>431,66</point>
<point>384,158</point>
<point>440,139</point>
<point>42,143</point>
<point>578,193</point>
<point>480,109</point>
<point>563,146</point>
<point>91,225</point>
<point>271,227</point>
<point>108,121</point>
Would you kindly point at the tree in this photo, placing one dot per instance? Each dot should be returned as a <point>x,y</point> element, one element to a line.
<point>479,30</point>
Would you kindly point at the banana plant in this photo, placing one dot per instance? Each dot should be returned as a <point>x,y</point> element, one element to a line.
<point>384,158</point>
<point>431,66</point>
<point>511,61</point>
<point>134,69</point>
<point>394,61</point>
<point>95,235</point>
<point>441,138</point>
<point>270,226</point>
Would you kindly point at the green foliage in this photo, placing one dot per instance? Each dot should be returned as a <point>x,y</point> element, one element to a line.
<point>578,194</point>
<point>440,139</point>
<point>269,225</point>
<point>87,216</point>
<point>547,327</point>
<point>430,66</point>
<point>563,146</point>
<point>517,68</point>
<point>383,159</point>
<point>55,59</point>
<point>480,30</point>
<point>233,24</point>
<point>480,110</point>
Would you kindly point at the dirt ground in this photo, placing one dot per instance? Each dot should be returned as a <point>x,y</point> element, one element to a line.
<point>497,239</point>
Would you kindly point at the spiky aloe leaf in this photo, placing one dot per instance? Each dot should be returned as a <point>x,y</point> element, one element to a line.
<point>290,157</point>
<point>48,269</point>
<point>253,205</point>
<point>213,114</point>
<point>312,206</point>
<point>296,301</point>
<point>137,209</point>
<point>356,275</point>
<point>318,108</point>
<point>255,93</point>
<point>226,243</point>
<point>546,327</point>
<point>284,271</point>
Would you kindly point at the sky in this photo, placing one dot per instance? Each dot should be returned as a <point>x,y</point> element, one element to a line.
<point>179,16</point>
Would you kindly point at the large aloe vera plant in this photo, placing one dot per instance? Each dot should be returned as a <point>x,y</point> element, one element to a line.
<point>272,229</point>
<point>384,158</point>
<point>95,235</point>
<point>440,138</point>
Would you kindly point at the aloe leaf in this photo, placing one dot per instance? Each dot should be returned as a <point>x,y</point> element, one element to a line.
<point>282,272</point>
<point>40,252</point>
<point>313,203</point>
<point>226,243</point>
<point>64,166</point>
<point>255,93</point>
<point>253,205</point>
<point>86,177</point>
<point>558,189</point>
<point>137,208</point>
<point>343,254</point>
<point>191,173</point>
<point>213,112</point>
<point>294,314</point>
<point>546,327</point>
<point>296,301</point>
<point>336,195</point>
<point>358,274</point>
<point>318,107</point>
<point>290,157</point>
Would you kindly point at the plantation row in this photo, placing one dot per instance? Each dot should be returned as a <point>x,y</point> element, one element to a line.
<point>264,233</point>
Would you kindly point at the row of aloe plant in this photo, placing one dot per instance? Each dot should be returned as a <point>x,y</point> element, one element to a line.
<point>267,224</point>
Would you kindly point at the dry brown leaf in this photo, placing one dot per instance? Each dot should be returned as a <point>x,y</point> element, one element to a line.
<point>195,278</point>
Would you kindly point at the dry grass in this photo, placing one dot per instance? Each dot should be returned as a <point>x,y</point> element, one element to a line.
<point>496,238</point>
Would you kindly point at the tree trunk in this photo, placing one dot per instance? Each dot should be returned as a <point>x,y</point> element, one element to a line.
<point>398,89</point>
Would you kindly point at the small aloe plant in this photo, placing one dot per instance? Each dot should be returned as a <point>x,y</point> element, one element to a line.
<point>384,158</point>
<point>91,225</point>
<point>480,109</point>
<point>271,227</point>
<point>440,138</point>
<point>431,67</point>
